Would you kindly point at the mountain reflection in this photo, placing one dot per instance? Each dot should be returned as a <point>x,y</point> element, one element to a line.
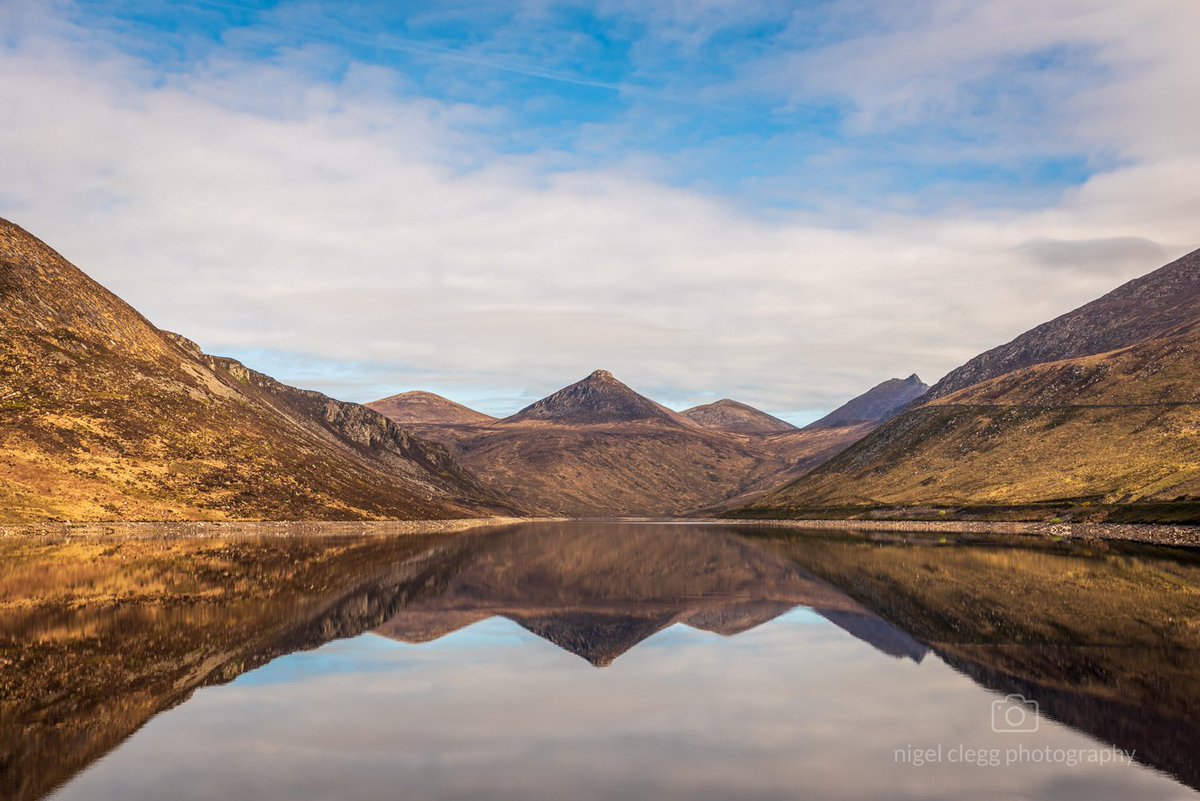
<point>598,595</point>
<point>1105,636</point>
<point>99,637</point>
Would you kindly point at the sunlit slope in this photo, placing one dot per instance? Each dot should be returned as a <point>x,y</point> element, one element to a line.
<point>1112,434</point>
<point>103,416</point>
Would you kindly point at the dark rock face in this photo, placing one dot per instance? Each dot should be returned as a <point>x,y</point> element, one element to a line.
<point>877,405</point>
<point>1131,313</point>
<point>738,418</point>
<point>599,398</point>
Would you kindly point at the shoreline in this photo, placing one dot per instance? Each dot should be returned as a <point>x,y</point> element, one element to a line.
<point>198,529</point>
<point>1149,533</point>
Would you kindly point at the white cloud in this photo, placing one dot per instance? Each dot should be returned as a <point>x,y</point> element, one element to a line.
<point>260,207</point>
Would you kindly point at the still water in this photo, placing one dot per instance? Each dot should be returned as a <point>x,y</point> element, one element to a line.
<point>599,661</point>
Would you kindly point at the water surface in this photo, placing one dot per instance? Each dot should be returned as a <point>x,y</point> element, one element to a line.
<point>600,661</point>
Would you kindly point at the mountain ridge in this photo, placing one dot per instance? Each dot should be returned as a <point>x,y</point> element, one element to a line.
<point>1102,436</point>
<point>879,404</point>
<point>597,448</point>
<point>1134,311</point>
<point>106,417</point>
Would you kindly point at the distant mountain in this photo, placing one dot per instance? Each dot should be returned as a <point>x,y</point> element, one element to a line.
<point>599,398</point>
<point>427,408</point>
<point>1131,313</point>
<point>597,448</point>
<point>103,416</point>
<point>877,405</point>
<point>738,418</point>
<point>1107,435</point>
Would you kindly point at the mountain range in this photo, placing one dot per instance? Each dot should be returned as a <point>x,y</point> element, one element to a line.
<point>103,416</point>
<point>597,448</point>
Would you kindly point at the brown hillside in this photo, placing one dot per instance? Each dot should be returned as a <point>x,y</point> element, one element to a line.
<point>1142,308</point>
<point>738,418</point>
<point>1112,434</point>
<point>103,416</point>
<point>599,449</point>
<point>428,409</point>
<point>1104,435</point>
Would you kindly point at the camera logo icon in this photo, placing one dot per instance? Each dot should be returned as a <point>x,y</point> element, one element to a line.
<point>1015,713</point>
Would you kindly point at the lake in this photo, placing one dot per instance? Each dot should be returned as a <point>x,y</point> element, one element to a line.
<point>598,661</point>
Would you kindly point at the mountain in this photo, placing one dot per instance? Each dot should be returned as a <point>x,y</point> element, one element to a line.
<point>877,405</point>
<point>599,398</point>
<point>103,416</point>
<point>597,448</point>
<point>1137,310</point>
<point>738,418</point>
<point>1108,435</point>
<point>427,408</point>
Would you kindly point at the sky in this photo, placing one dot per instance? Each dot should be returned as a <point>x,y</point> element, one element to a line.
<point>780,202</point>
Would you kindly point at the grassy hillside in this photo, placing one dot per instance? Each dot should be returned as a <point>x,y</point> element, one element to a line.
<point>1112,436</point>
<point>103,417</point>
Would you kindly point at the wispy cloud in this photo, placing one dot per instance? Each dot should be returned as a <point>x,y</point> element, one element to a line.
<point>495,210</point>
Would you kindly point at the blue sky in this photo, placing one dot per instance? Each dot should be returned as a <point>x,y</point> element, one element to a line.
<point>580,84</point>
<point>782,202</point>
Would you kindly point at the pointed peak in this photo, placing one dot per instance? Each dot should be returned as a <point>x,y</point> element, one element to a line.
<point>599,398</point>
<point>880,403</point>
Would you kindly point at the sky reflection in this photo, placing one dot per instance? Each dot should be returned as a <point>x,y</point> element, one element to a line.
<point>796,707</point>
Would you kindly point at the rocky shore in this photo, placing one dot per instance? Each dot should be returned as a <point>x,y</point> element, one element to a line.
<point>308,528</point>
<point>1155,534</point>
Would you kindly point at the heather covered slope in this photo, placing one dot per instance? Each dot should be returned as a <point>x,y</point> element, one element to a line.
<point>597,448</point>
<point>1111,435</point>
<point>103,416</point>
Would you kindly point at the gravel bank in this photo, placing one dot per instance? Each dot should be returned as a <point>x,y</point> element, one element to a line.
<point>1134,532</point>
<point>308,528</point>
